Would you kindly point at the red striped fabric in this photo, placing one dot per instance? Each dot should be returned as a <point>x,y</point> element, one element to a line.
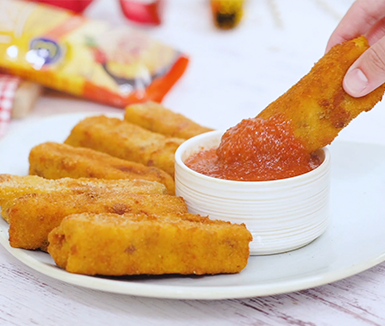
<point>8,87</point>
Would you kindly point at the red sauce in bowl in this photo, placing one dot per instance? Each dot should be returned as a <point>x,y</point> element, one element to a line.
<point>256,150</point>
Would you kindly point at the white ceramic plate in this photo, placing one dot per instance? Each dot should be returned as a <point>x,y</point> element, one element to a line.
<point>354,241</point>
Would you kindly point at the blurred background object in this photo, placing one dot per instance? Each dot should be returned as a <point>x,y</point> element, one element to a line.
<point>114,65</point>
<point>227,13</point>
<point>17,98</point>
<point>74,5</point>
<point>8,86</point>
<point>26,96</point>
<point>147,12</point>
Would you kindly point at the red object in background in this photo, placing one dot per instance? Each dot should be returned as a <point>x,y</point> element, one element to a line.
<point>73,5</point>
<point>143,11</point>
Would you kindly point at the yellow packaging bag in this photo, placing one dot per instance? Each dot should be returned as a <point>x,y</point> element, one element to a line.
<point>87,58</point>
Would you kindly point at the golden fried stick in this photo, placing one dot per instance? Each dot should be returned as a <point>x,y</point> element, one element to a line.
<point>155,117</point>
<point>109,244</point>
<point>13,187</point>
<point>126,141</point>
<point>33,216</point>
<point>317,105</point>
<point>53,160</point>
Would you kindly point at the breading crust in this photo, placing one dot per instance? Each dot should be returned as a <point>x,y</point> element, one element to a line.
<point>155,117</point>
<point>53,161</point>
<point>33,216</point>
<point>126,141</point>
<point>108,244</point>
<point>12,187</point>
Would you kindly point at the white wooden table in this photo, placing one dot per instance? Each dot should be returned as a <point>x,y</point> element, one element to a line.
<point>232,75</point>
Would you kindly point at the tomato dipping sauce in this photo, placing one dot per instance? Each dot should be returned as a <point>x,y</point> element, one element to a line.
<point>256,150</point>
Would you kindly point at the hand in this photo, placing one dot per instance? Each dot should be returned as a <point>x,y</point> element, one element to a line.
<point>365,17</point>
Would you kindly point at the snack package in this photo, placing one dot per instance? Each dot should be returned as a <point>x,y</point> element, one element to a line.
<point>87,58</point>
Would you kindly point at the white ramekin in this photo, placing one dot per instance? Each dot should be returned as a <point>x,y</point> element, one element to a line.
<point>282,215</point>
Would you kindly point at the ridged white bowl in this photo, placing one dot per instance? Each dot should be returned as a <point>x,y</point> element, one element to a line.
<point>282,215</point>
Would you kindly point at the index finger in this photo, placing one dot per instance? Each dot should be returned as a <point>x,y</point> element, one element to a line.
<point>358,20</point>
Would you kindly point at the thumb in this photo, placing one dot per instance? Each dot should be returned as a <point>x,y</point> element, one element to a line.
<point>367,72</point>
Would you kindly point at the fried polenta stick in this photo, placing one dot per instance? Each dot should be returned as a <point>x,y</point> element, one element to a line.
<point>109,244</point>
<point>155,117</point>
<point>13,187</point>
<point>126,141</point>
<point>53,161</point>
<point>317,105</point>
<point>33,216</point>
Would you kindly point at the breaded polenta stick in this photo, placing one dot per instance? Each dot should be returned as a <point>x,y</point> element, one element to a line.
<point>155,117</point>
<point>33,216</point>
<point>317,105</point>
<point>126,141</point>
<point>109,244</point>
<point>13,187</point>
<point>53,161</point>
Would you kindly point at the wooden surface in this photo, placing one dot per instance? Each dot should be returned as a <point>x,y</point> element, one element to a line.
<point>232,75</point>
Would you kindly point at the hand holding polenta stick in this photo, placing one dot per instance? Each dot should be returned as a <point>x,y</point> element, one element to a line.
<point>317,106</point>
<point>281,141</point>
<point>365,17</point>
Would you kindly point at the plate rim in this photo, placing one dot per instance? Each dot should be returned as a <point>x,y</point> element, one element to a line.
<point>152,290</point>
<point>179,292</point>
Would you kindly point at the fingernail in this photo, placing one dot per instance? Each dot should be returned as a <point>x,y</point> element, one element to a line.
<point>355,82</point>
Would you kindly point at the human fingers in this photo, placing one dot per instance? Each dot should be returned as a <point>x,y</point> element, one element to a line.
<point>377,32</point>
<point>359,20</point>
<point>368,72</point>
